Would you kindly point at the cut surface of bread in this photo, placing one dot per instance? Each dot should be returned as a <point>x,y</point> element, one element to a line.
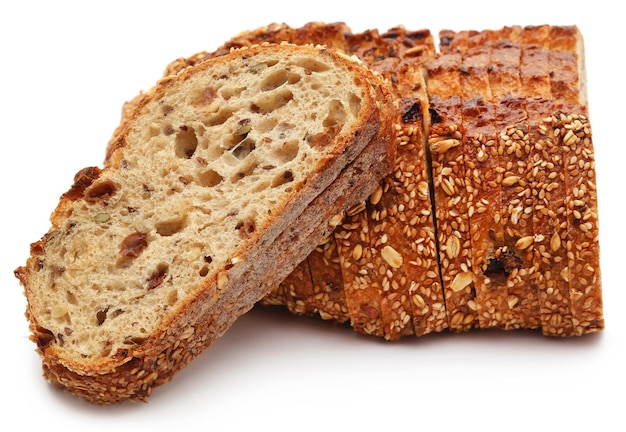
<point>222,179</point>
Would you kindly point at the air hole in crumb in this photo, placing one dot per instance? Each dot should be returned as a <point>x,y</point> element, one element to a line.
<point>246,227</point>
<point>106,349</point>
<point>167,130</point>
<point>261,67</point>
<point>115,313</point>
<point>272,101</point>
<point>166,110</point>
<point>278,78</point>
<point>336,114</point>
<point>287,152</point>
<point>285,177</point>
<point>244,171</point>
<point>171,226</point>
<point>333,123</point>
<point>186,142</point>
<point>312,64</point>
<point>204,97</point>
<point>134,340</point>
<point>172,297</point>
<point>228,92</point>
<point>71,298</point>
<point>219,117</point>
<point>240,134</point>
<point>355,104</point>
<point>322,139</point>
<point>210,178</point>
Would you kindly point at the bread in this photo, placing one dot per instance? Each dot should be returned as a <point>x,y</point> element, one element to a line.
<point>507,107</point>
<point>221,180</point>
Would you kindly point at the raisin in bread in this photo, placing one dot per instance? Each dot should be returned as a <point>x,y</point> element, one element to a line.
<point>222,179</point>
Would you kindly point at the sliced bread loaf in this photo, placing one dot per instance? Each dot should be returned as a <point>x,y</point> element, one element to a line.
<point>222,179</point>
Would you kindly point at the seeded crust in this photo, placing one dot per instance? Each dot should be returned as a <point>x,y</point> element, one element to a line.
<point>182,283</point>
<point>327,279</point>
<point>516,153</point>
<point>445,139</point>
<point>550,221</point>
<point>549,252</point>
<point>569,85</point>
<point>483,179</point>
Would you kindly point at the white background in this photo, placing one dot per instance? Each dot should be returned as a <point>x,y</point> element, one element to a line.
<point>65,70</point>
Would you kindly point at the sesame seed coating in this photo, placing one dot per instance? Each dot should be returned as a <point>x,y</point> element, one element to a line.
<point>490,217</point>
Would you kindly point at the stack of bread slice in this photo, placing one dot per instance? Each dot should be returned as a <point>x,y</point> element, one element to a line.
<point>489,219</point>
<point>367,178</point>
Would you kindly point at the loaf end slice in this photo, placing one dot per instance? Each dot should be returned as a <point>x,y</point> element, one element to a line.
<point>212,192</point>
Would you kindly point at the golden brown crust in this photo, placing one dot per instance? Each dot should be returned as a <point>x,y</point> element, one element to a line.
<point>355,255</point>
<point>401,229</point>
<point>483,177</point>
<point>328,288</point>
<point>445,139</point>
<point>581,205</point>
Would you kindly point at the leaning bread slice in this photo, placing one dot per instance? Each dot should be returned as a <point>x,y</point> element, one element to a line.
<point>212,193</point>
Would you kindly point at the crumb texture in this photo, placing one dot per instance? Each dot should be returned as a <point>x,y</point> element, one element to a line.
<point>210,169</point>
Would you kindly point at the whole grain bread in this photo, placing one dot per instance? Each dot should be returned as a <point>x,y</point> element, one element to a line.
<point>500,103</point>
<point>223,178</point>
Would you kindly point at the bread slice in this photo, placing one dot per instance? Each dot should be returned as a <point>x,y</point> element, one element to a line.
<point>222,180</point>
<point>572,130</point>
<point>518,178</point>
<point>445,140</point>
<point>548,186</point>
